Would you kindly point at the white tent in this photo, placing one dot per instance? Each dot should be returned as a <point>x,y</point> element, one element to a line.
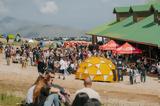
<point>30,41</point>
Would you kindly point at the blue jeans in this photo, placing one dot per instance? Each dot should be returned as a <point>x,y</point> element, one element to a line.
<point>31,61</point>
<point>52,99</point>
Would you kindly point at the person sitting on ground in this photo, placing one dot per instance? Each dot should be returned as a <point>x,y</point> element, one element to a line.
<point>93,102</point>
<point>87,89</point>
<point>62,95</point>
<point>29,97</point>
<point>42,91</point>
<point>80,99</point>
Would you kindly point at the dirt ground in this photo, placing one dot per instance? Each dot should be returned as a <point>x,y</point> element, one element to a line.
<point>15,80</point>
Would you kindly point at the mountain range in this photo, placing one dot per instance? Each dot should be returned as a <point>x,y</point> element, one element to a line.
<point>32,29</point>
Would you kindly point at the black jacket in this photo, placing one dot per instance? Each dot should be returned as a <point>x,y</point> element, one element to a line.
<point>41,67</point>
<point>42,96</point>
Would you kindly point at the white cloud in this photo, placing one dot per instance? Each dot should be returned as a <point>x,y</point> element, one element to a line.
<point>3,7</point>
<point>49,7</point>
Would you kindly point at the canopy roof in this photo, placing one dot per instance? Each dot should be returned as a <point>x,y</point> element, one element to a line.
<point>144,31</point>
<point>100,28</point>
<point>111,45</point>
<point>109,32</point>
<point>127,49</point>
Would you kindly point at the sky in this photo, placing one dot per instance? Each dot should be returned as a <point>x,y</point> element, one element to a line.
<point>81,14</point>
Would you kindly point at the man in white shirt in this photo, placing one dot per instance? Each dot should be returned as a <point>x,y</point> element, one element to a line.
<point>88,90</point>
<point>63,67</point>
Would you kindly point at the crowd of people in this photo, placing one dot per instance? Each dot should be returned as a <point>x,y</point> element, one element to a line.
<point>64,61</point>
<point>44,92</point>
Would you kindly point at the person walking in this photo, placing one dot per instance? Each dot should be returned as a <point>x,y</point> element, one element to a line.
<point>7,39</point>
<point>1,47</point>
<point>63,67</point>
<point>131,75</point>
<point>158,69</point>
<point>143,73</point>
<point>8,55</point>
<point>120,69</point>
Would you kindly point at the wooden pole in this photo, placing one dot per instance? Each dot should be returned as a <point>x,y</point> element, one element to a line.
<point>150,55</point>
<point>94,39</point>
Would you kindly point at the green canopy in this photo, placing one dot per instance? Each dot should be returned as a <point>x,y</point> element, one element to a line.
<point>144,31</point>
<point>100,28</point>
<point>11,36</point>
<point>109,32</point>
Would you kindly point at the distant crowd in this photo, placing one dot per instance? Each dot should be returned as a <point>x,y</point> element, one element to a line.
<point>65,61</point>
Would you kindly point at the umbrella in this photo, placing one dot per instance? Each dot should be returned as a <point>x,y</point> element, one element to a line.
<point>111,45</point>
<point>74,43</point>
<point>97,68</point>
<point>127,49</point>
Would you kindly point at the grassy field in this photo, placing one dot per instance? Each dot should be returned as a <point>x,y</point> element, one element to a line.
<point>9,100</point>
